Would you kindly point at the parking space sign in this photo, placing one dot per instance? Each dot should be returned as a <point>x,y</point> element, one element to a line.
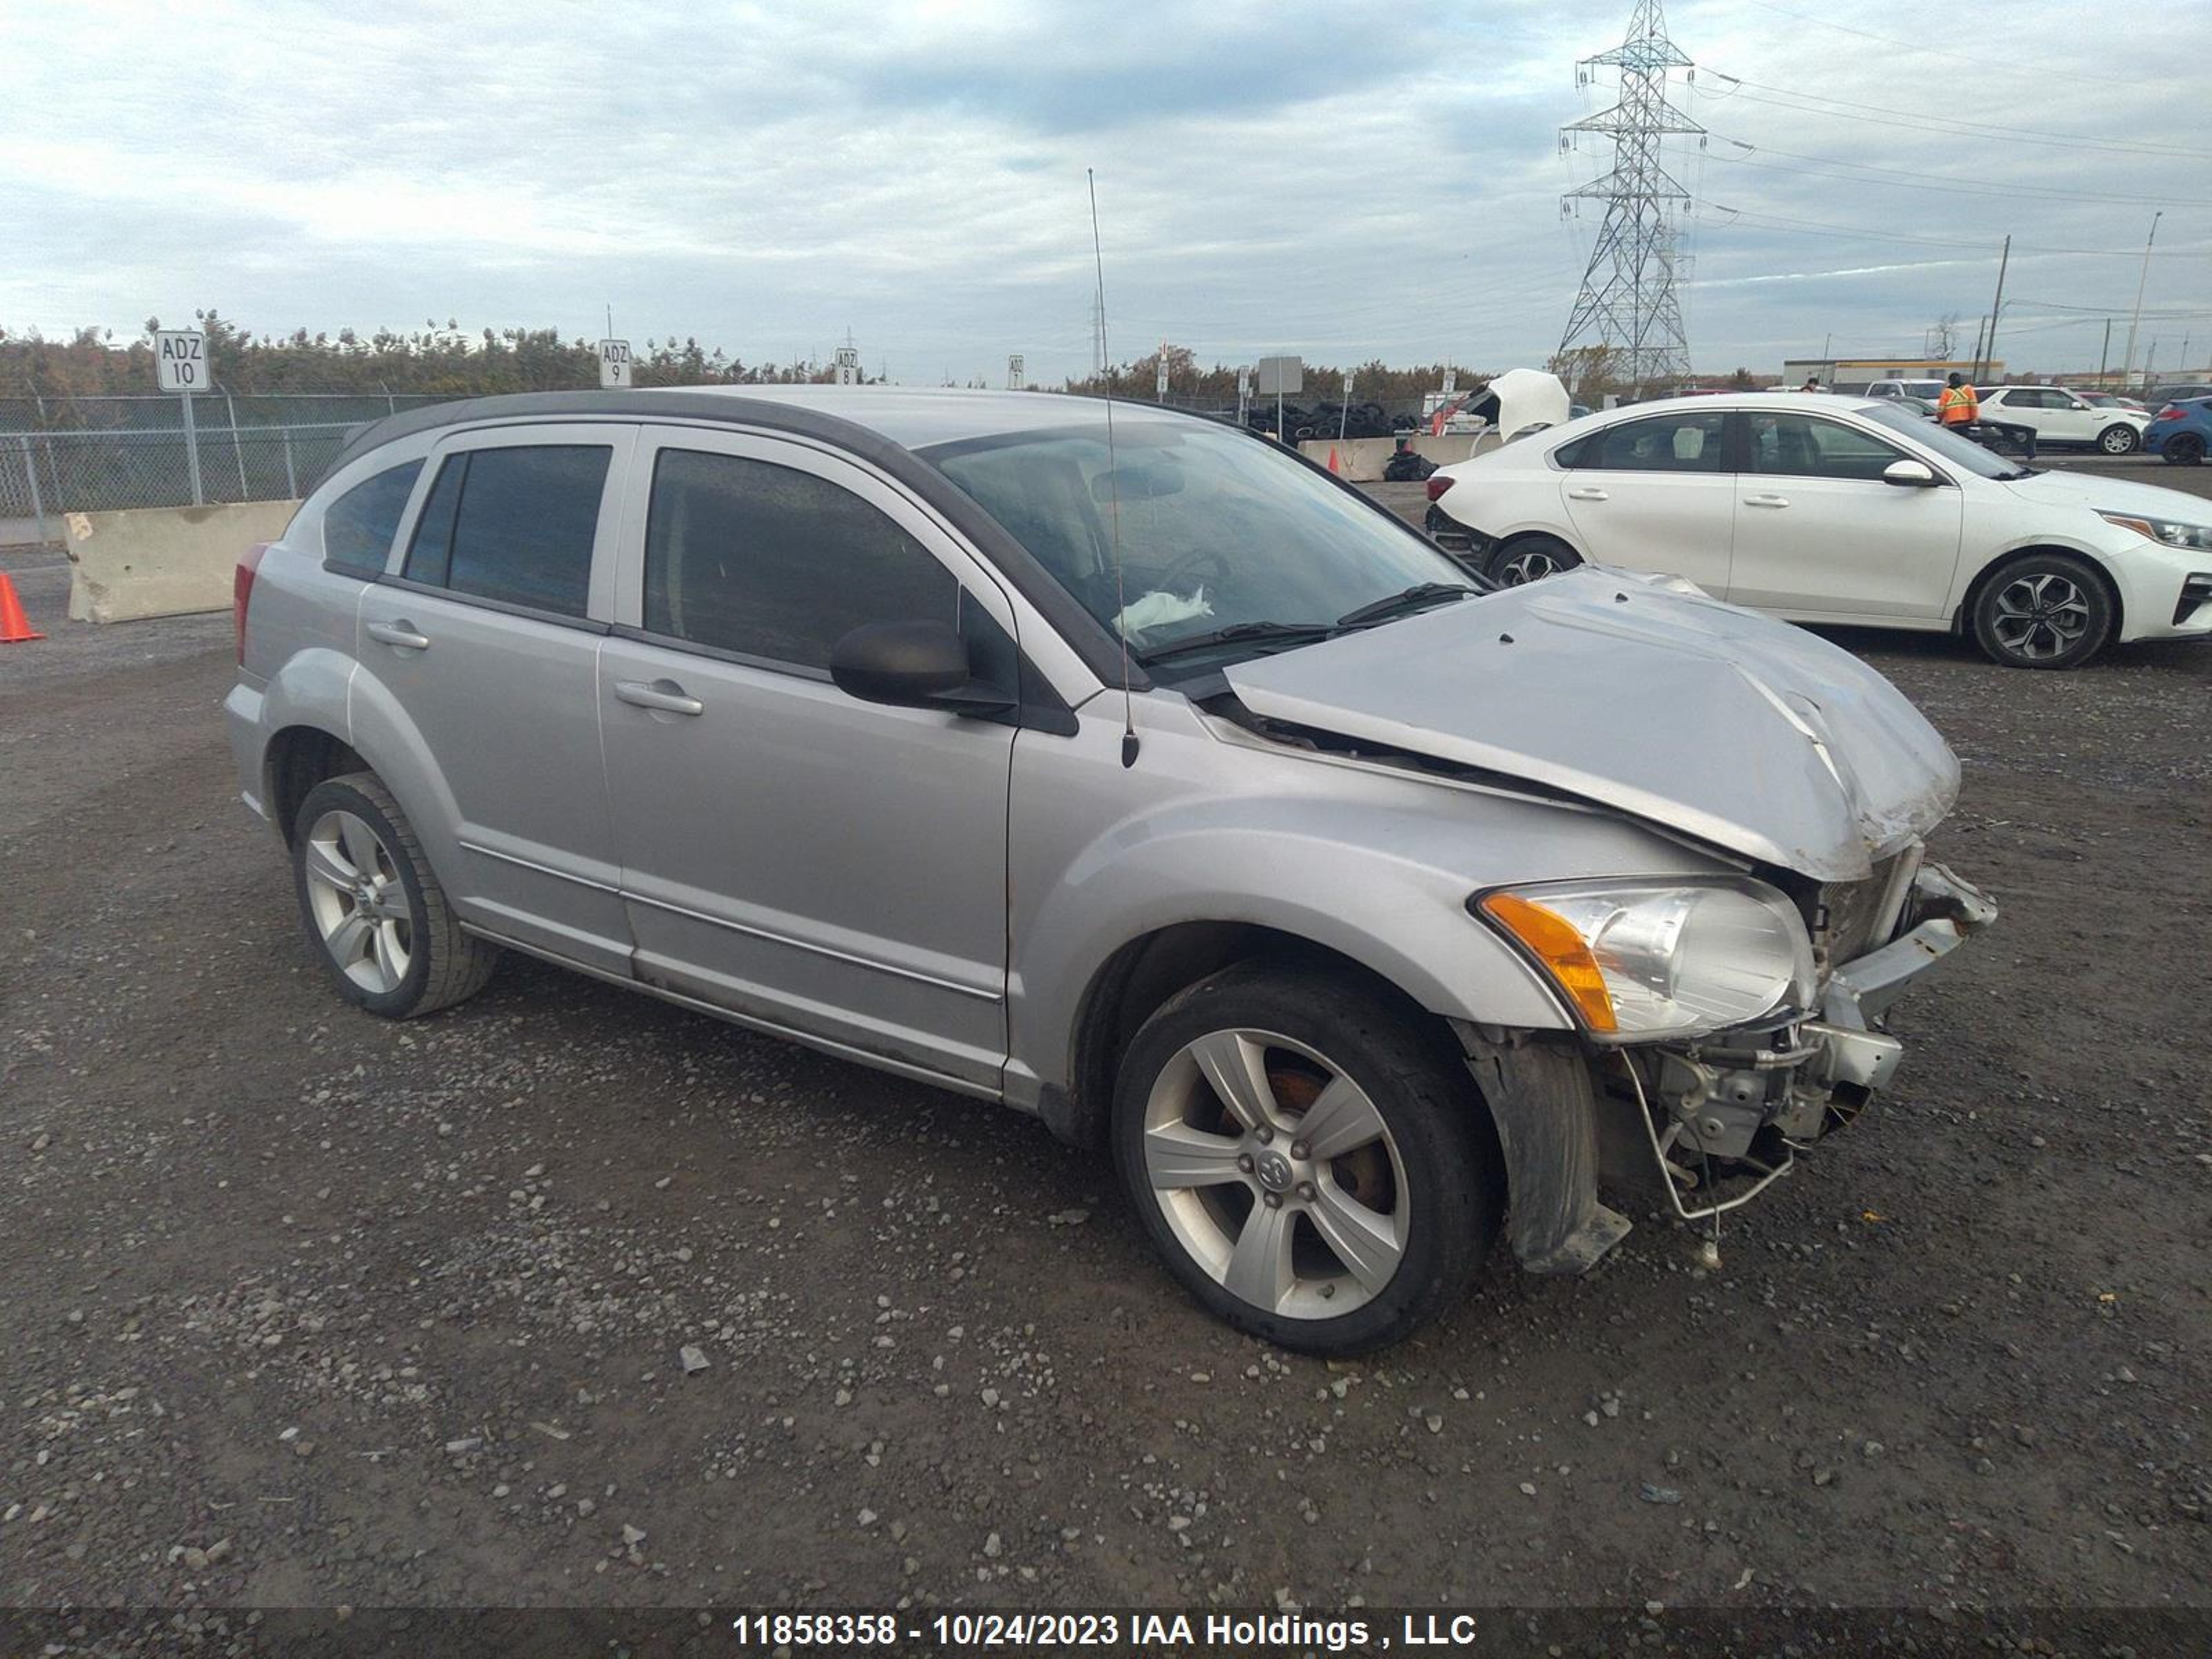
<point>180,359</point>
<point>614,362</point>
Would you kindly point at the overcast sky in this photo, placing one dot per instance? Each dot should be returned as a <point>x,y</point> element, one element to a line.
<point>1348,181</point>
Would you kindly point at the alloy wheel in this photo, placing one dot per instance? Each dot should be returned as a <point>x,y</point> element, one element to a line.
<point>2117,440</point>
<point>2040,615</point>
<point>358,902</point>
<point>1530,565</point>
<point>1276,1173</point>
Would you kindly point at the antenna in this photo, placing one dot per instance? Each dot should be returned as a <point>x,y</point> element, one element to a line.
<point>1113,490</point>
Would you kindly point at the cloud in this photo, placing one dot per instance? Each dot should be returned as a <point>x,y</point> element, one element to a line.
<point>1347,182</point>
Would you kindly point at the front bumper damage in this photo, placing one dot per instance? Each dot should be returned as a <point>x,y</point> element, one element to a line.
<point>1701,1128</point>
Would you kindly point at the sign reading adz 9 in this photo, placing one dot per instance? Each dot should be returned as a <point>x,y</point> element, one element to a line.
<point>180,359</point>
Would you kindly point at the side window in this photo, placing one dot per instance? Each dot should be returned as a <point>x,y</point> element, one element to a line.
<point>1686,443</point>
<point>514,525</point>
<point>769,562</point>
<point>358,527</point>
<point>1798,445</point>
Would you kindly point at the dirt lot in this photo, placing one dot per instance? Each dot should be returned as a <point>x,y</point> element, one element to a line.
<point>304,1308</point>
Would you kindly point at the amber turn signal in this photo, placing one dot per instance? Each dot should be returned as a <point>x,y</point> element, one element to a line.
<point>1552,940</point>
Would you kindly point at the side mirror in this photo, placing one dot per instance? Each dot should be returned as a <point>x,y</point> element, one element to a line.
<point>911,665</point>
<point>1910,475</point>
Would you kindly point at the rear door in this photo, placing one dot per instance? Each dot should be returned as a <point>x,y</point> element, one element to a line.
<point>1818,533</point>
<point>480,655</point>
<point>1655,494</point>
<point>827,866</point>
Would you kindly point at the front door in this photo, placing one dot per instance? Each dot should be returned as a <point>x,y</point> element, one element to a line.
<point>1655,494</point>
<point>1818,533</point>
<point>826,867</point>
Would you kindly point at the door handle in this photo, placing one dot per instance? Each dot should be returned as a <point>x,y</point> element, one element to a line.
<point>400,633</point>
<point>1586,493</point>
<point>664,696</point>
<point>1766,500</point>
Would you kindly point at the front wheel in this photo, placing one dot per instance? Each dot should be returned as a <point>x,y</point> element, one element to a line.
<point>2045,610</point>
<point>2119,438</point>
<point>1306,1156</point>
<point>1530,559</point>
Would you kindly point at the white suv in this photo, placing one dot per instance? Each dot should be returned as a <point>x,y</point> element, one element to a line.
<point>2060,416</point>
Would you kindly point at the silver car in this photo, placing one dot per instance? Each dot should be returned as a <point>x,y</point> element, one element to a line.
<point>1131,772</point>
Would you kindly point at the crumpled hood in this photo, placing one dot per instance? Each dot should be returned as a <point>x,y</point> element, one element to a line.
<point>2096,492</point>
<point>1743,732</point>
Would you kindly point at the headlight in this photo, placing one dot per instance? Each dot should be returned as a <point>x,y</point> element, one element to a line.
<point>1653,959</point>
<point>2174,534</point>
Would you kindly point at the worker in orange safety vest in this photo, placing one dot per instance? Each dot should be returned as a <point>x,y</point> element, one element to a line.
<point>1960,405</point>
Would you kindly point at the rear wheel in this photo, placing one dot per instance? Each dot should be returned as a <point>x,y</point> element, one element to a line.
<point>375,915</point>
<point>2185,449</point>
<point>1530,559</point>
<point>1306,1156</point>
<point>2119,438</point>
<point>2045,610</point>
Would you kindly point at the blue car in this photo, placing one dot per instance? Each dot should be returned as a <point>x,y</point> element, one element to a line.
<point>2181,432</point>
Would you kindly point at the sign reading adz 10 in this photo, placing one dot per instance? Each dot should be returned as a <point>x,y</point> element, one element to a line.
<point>180,359</point>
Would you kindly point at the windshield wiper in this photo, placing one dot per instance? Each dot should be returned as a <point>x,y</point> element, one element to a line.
<point>1419,597</point>
<point>1236,632</point>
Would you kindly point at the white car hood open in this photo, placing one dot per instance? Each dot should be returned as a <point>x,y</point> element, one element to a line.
<point>1746,733</point>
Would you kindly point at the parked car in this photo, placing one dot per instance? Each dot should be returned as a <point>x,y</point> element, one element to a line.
<point>2180,391</point>
<point>1861,513</point>
<point>2061,416</point>
<point>2180,432</point>
<point>1349,905</point>
<point>1929,391</point>
<point>2109,400</point>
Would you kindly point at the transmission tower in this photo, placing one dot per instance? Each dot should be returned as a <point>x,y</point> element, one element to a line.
<point>1628,301</point>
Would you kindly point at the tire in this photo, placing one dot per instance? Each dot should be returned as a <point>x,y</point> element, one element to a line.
<point>2043,610</point>
<point>2119,438</point>
<point>1530,558</point>
<point>2185,449</point>
<point>375,917</point>
<point>1249,1205</point>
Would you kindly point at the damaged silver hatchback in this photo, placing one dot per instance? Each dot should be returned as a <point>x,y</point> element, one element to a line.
<point>1136,773</point>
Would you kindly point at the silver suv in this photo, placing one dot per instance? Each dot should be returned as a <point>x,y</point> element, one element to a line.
<point>1358,908</point>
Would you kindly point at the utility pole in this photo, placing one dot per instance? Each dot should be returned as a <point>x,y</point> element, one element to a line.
<point>2128,362</point>
<point>1627,293</point>
<point>2104,357</point>
<point>1996,309</point>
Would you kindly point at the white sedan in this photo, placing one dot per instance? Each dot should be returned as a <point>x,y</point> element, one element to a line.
<point>1857,512</point>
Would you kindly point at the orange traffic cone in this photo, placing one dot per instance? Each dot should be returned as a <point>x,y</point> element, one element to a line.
<point>1332,466</point>
<point>15,626</point>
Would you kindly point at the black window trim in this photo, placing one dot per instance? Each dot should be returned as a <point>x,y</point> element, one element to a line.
<point>1089,641</point>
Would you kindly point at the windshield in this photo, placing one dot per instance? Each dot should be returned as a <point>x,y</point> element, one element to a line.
<point>1219,530</point>
<point>1959,452</point>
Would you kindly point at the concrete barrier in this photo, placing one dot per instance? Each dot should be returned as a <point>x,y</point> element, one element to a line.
<point>162,561</point>
<point>1361,460</point>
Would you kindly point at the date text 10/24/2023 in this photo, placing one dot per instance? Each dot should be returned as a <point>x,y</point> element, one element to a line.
<point>1257,1632</point>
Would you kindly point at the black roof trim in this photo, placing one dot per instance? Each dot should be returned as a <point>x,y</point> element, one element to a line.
<point>1090,639</point>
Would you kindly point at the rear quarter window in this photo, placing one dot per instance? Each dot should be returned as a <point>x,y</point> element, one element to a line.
<point>358,527</point>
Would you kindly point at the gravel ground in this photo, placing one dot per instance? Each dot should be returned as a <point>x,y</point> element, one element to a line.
<point>304,1308</point>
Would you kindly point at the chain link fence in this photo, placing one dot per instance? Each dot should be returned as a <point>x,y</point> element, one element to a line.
<point>61,455</point>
